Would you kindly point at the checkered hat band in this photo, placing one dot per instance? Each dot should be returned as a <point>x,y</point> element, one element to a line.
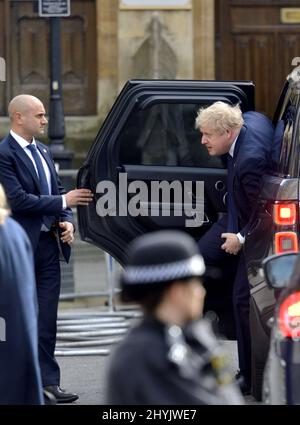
<point>193,266</point>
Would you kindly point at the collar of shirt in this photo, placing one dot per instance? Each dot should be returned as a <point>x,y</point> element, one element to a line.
<point>22,142</point>
<point>231,150</point>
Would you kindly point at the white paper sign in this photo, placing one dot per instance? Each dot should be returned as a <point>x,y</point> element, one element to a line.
<point>155,4</point>
<point>2,69</point>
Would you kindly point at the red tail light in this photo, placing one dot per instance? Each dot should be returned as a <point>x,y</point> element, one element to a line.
<point>285,242</point>
<point>289,316</point>
<point>285,214</point>
<point>285,217</point>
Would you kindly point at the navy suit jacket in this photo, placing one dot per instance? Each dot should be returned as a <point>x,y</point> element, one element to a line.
<point>20,376</point>
<point>252,159</point>
<point>21,184</point>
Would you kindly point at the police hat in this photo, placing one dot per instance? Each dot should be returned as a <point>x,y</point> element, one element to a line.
<point>162,256</point>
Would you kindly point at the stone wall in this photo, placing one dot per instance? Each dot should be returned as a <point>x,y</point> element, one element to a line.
<point>145,43</point>
<point>172,44</point>
<point>155,44</point>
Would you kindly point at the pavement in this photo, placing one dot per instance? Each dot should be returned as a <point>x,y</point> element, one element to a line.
<point>85,374</point>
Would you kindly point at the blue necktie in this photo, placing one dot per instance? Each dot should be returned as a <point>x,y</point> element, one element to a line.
<point>41,172</point>
<point>232,224</point>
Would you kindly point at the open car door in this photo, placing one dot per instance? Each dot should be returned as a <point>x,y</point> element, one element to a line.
<point>146,154</point>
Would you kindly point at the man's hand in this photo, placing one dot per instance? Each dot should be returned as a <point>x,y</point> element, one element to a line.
<point>67,235</point>
<point>78,197</point>
<point>232,245</point>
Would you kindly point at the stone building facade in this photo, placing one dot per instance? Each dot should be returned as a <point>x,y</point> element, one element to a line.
<point>107,42</point>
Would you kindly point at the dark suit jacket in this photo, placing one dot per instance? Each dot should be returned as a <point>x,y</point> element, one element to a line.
<point>21,184</point>
<point>252,159</point>
<point>20,376</point>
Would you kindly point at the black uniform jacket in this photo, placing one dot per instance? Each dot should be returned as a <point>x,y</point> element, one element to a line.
<point>152,367</point>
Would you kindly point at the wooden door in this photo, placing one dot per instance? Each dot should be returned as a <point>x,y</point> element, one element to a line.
<point>27,54</point>
<point>253,43</point>
<point>3,30</point>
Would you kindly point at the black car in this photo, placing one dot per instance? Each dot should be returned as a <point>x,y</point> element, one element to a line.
<point>149,137</point>
<point>281,375</point>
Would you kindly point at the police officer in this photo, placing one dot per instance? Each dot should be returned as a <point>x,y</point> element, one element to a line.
<point>170,357</point>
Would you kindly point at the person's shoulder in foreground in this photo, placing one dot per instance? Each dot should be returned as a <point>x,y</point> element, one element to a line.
<point>169,356</point>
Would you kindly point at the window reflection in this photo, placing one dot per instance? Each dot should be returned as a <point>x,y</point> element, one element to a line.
<point>283,149</point>
<point>165,134</point>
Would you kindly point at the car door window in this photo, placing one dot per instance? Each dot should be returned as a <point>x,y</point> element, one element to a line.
<point>165,134</point>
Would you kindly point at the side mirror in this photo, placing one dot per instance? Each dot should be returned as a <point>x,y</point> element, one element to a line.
<point>278,269</point>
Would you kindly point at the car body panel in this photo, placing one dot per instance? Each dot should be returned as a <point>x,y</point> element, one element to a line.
<point>282,372</point>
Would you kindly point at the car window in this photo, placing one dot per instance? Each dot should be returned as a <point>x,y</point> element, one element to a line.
<point>164,134</point>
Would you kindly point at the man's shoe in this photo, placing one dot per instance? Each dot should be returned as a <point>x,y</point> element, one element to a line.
<point>243,383</point>
<point>49,398</point>
<point>61,395</point>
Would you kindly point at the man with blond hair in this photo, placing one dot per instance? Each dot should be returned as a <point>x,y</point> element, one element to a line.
<point>41,205</point>
<point>244,141</point>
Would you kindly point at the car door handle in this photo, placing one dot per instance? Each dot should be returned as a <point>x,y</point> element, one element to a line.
<point>219,185</point>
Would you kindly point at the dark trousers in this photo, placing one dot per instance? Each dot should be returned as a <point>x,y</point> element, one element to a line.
<point>210,248</point>
<point>47,269</point>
